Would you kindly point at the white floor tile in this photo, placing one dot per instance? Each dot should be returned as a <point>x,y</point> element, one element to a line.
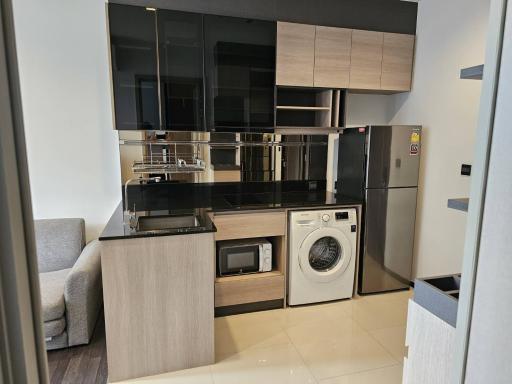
<point>245,335</point>
<point>322,330</point>
<point>388,375</point>
<point>200,375</point>
<point>392,339</point>
<point>302,314</point>
<point>375,312</point>
<point>355,352</point>
<point>276,365</point>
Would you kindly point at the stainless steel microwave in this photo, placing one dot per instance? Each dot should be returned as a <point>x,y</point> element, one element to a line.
<point>236,257</point>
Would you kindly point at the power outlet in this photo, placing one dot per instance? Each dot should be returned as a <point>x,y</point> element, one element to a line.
<point>465,170</point>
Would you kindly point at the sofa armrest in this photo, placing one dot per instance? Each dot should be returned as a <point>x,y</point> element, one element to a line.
<point>83,294</point>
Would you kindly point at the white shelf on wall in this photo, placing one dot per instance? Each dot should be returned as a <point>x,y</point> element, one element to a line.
<point>472,73</point>
<point>459,204</point>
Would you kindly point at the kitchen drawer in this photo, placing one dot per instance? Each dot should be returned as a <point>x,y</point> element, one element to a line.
<point>249,225</point>
<point>241,290</point>
<point>227,175</point>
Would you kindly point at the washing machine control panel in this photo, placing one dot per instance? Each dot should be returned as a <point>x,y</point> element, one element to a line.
<point>342,216</point>
<point>326,217</point>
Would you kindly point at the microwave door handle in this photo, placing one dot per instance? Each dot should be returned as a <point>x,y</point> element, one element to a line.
<point>261,256</point>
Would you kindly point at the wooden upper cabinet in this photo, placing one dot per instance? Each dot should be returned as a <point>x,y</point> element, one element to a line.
<point>398,53</point>
<point>366,60</point>
<point>295,54</point>
<point>332,57</point>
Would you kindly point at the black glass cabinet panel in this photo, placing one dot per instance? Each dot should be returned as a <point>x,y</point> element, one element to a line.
<point>240,74</point>
<point>134,67</point>
<point>180,43</point>
<point>307,161</point>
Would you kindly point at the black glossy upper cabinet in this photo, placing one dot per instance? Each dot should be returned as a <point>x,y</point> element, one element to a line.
<point>134,67</point>
<point>180,55</point>
<point>240,57</point>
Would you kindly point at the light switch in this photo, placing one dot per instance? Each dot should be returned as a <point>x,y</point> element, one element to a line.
<point>465,170</point>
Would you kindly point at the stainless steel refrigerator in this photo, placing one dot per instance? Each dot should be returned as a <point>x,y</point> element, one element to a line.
<point>380,165</point>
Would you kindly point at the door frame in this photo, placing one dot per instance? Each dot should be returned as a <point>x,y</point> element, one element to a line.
<point>22,346</point>
<point>479,177</point>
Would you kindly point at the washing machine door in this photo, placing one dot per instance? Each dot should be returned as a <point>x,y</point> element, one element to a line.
<point>325,254</point>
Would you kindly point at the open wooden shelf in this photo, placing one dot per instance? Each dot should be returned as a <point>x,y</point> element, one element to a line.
<point>254,287</point>
<point>304,108</point>
<point>229,292</point>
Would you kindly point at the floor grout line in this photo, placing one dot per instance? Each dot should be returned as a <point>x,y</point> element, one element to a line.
<point>211,373</point>
<point>359,372</point>
<point>302,358</point>
<point>382,345</point>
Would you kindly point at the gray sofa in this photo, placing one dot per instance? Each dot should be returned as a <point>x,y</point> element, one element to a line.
<point>70,281</point>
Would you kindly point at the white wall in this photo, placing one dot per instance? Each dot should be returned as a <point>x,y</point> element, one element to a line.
<point>450,36</point>
<point>366,109</point>
<point>72,150</point>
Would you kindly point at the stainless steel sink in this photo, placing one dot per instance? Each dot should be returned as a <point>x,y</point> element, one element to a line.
<point>162,223</point>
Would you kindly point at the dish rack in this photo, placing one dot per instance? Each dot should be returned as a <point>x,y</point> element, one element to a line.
<point>170,160</point>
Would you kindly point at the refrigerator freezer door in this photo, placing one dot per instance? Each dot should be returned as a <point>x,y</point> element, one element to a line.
<point>393,156</point>
<point>386,263</point>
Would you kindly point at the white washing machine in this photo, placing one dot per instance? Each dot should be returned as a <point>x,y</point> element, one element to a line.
<point>322,246</point>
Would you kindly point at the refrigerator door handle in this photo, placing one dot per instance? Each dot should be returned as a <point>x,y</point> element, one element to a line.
<point>385,175</point>
<point>365,166</point>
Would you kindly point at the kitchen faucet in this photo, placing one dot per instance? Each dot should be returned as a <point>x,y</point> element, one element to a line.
<point>132,216</point>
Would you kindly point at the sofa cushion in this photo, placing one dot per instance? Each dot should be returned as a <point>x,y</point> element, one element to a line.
<point>54,328</point>
<point>59,242</point>
<point>52,293</point>
<point>59,341</point>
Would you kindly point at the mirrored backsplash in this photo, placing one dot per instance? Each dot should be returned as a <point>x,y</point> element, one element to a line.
<point>202,157</point>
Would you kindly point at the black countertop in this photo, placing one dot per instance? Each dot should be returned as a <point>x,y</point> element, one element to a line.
<point>198,199</point>
<point>117,229</point>
<point>286,200</point>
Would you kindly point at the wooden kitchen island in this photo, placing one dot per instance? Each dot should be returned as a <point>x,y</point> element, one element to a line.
<point>159,303</point>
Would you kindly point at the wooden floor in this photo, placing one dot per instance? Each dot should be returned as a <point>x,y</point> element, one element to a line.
<point>86,364</point>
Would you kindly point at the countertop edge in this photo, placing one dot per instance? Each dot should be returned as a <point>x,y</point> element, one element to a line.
<point>115,230</point>
<point>148,235</point>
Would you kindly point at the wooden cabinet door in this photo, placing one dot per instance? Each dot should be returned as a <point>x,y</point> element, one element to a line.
<point>366,59</point>
<point>398,53</point>
<point>332,57</point>
<point>249,225</point>
<point>295,51</point>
